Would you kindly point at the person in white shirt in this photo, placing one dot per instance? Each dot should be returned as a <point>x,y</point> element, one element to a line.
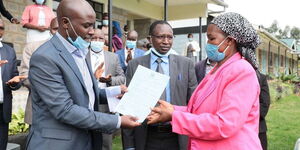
<point>192,48</point>
<point>107,70</point>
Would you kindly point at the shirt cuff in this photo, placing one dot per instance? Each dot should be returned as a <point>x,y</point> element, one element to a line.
<point>119,122</point>
<point>113,90</point>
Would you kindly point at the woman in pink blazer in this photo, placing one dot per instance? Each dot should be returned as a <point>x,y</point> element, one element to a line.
<point>223,112</point>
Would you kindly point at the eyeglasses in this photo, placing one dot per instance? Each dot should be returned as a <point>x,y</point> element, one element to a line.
<point>162,37</point>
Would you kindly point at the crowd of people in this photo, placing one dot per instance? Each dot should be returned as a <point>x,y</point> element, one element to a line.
<point>218,103</point>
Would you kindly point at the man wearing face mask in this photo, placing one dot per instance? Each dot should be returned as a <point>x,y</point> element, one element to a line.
<point>178,91</point>
<point>104,27</point>
<point>107,70</point>
<point>130,51</point>
<point>65,94</point>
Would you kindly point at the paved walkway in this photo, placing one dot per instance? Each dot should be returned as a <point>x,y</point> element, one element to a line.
<point>19,99</point>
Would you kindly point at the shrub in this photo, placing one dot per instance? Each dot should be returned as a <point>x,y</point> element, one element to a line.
<point>17,124</point>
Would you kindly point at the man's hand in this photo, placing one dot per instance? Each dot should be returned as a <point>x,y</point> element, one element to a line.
<point>99,71</point>
<point>15,80</point>
<point>123,91</point>
<point>15,21</point>
<point>129,122</point>
<point>42,28</point>
<point>2,62</point>
<point>162,113</point>
<point>106,79</point>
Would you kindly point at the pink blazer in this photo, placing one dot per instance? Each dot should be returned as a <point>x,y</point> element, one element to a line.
<point>31,14</point>
<point>223,112</point>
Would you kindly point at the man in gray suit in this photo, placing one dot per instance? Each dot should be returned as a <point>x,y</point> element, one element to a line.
<point>65,95</point>
<point>179,89</point>
<point>108,72</point>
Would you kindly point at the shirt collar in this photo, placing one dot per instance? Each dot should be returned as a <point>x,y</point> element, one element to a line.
<point>72,49</point>
<point>154,55</point>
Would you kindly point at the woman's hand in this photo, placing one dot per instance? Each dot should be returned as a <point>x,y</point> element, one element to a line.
<point>162,113</point>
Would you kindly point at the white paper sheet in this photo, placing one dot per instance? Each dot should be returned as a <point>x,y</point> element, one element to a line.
<point>144,91</point>
<point>111,95</point>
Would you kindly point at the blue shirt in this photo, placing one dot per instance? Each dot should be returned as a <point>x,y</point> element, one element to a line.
<point>165,66</point>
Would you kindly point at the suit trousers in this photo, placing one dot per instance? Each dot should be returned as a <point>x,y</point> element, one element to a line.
<point>3,130</point>
<point>161,141</point>
<point>263,140</point>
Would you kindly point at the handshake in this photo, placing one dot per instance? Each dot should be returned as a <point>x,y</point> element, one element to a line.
<point>161,113</point>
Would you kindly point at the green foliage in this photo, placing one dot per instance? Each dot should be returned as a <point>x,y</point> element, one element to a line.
<point>17,124</point>
<point>283,123</point>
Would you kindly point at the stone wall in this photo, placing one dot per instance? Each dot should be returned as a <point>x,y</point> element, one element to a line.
<point>15,34</point>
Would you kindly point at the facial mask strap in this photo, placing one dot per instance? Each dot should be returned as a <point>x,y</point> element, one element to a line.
<point>222,41</point>
<point>72,28</point>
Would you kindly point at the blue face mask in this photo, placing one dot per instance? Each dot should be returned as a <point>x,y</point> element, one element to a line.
<point>130,44</point>
<point>97,46</point>
<point>213,53</point>
<point>40,2</point>
<point>190,39</point>
<point>105,22</point>
<point>79,42</point>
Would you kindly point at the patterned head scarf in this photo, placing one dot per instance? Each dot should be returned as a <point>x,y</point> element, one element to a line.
<point>242,31</point>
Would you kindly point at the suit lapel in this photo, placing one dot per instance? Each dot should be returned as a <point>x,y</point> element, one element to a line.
<point>3,57</point>
<point>68,58</point>
<point>146,62</point>
<point>173,73</point>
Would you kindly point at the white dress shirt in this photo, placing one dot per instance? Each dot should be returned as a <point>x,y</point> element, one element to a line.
<point>126,54</point>
<point>96,60</point>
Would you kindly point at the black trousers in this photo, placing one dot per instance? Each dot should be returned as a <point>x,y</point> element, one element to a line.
<point>263,140</point>
<point>161,141</point>
<point>3,130</point>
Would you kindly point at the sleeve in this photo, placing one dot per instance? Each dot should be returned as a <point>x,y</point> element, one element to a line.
<point>196,46</point>
<point>119,78</point>
<point>48,82</point>
<point>180,108</point>
<point>128,134</point>
<point>264,97</point>
<point>237,100</point>
<point>192,81</point>
<point>26,16</point>
<point>4,12</point>
<point>15,71</point>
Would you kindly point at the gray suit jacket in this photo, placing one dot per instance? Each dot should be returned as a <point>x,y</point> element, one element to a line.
<point>61,119</point>
<point>113,67</point>
<point>182,82</point>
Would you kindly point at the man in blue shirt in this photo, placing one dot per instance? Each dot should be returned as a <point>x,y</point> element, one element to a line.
<point>130,51</point>
<point>178,91</point>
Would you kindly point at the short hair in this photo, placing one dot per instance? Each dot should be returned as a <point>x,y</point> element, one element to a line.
<point>190,34</point>
<point>154,24</point>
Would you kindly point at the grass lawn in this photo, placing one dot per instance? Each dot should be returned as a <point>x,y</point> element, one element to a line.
<point>283,121</point>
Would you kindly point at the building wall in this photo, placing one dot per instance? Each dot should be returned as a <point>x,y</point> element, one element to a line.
<point>15,34</point>
<point>275,58</point>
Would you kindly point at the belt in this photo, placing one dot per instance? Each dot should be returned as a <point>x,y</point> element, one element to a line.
<point>161,128</point>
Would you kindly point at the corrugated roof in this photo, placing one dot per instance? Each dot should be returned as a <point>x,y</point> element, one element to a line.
<point>288,42</point>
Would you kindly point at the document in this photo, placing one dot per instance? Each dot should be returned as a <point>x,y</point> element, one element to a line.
<point>144,91</point>
<point>111,95</point>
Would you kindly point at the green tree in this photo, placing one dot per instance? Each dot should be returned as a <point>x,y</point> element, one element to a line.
<point>295,33</point>
<point>274,28</point>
